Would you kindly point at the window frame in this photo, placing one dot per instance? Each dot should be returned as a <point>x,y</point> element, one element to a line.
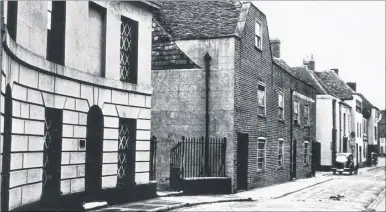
<point>264,99</point>
<point>306,118</point>
<point>297,113</point>
<point>49,15</point>
<point>134,53</point>
<point>281,141</point>
<point>280,93</point>
<point>263,163</point>
<point>258,36</point>
<point>306,153</point>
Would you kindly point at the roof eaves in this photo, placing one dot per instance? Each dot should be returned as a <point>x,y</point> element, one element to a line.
<point>153,4</point>
<point>279,65</point>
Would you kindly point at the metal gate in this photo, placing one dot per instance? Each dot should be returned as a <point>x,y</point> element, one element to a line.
<point>187,159</point>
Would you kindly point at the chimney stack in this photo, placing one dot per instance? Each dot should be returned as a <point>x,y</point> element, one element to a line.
<point>352,85</point>
<point>336,71</point>
<point>310,63</point>
<point>275,47</point>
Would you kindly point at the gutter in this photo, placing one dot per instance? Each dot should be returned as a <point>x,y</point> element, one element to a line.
<point>291,134</point>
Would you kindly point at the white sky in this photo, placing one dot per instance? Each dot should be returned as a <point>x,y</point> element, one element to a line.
<point>348,35</point>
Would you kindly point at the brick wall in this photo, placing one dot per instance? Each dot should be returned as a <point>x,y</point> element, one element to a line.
<point>255,65</point>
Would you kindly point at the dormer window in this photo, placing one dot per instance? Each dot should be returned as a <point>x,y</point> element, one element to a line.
<point>258,35</point>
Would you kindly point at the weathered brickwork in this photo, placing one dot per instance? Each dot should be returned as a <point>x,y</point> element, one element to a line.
<point>237,66</point>
<point>255,65</point>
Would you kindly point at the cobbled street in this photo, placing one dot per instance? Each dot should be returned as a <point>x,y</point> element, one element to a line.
<point>358,192</point>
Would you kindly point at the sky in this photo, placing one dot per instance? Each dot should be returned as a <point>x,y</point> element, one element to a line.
<point>348,35</point>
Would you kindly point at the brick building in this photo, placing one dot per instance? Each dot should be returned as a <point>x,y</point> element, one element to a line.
<point>382,133</point>
<point>75,103</point>
<point>248,90</point>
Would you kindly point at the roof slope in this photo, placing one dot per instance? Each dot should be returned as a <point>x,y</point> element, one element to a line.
<point>335,84</point>
<point>308,76</point>
<point>199,19</point>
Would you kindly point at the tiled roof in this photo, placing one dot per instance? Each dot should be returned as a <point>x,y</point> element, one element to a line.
<point>281,63</point>
<point>165,53</point>
<point>309,77</point>
<point>334,84</point>
<point>199,19</point>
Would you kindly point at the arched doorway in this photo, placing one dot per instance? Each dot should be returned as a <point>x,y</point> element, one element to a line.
<point>94,151</point>
<point>6,162</point>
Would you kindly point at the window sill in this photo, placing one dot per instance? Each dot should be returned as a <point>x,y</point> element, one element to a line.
<point>281,120</point>
<point>306,165</point>
<point>258,49</point>
<point>307,126</point>
<point>280,168</point>
<point>297,125</point>
<point>260,171</point>
<point>261,116</point>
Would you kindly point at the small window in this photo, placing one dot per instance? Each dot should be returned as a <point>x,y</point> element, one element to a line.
<point>258,37</point>
<point>306,149</point>
<point>281,106</point>
<point>358,106</point>
<point>296,112</point>
<point>280,158</point>
<point>261,100</point>
<point>261,154</point>
<point>306,115</point>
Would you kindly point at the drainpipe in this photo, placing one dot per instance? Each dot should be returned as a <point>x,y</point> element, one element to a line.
<point>2,33</point>
<point>207,59</point>
<point>333,146</point>
<point>291,129</point>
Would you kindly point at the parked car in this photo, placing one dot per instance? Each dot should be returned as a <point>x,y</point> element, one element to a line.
<point>344,163</point>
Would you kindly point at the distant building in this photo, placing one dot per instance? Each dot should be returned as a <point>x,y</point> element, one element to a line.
<point>75,103</point>
<point>382,133</point>
<point>266,113</point>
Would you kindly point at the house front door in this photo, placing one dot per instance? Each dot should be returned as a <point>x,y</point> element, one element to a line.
<point>242,160</point>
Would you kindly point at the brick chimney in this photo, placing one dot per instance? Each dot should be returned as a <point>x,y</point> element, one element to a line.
<point>310,63</point>
<point>275,47</point>
<point>336,71</point>
<point>352,85</point>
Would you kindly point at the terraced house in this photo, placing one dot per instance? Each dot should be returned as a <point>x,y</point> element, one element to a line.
<point>214,75</point>
<point>75,103</point>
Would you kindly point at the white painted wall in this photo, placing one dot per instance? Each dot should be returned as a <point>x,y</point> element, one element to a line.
<point>324,127</point>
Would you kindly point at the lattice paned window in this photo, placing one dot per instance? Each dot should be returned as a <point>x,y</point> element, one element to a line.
<point>296,112</point>
<point>126,152</point>
<point>306,154</point>
<point>306,115</point>
<point>261,99</point>
<point>258,36</point>
<point>129,50</point>
<point>280,158</point>
<point>261,154</point>
<point>281,106</point>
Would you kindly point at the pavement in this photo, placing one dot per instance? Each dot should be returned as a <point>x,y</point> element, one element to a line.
<point>311,194</point>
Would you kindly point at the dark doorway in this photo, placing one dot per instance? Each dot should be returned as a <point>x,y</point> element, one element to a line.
<point>345,143</point>
<point>6,163</point>
<point>316,148</point>
<point>94,151</point>
<point>293,159</point>
<point>126,152</point>
<point>242,160</point>
<point>52,156</point>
